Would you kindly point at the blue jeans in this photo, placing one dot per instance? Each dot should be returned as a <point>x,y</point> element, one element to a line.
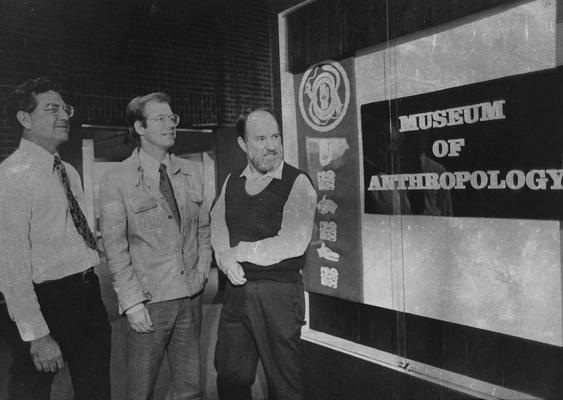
<point>177,325</point>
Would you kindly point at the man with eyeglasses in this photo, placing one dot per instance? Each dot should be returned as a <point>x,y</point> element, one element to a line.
<point>155,229</point>
<point>46,258</point>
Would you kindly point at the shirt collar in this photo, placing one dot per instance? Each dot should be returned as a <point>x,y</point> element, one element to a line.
<point>38,154</point>
<point>276,173</point>
<point>151,164</point>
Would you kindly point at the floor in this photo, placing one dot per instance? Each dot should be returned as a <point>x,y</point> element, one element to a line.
<point>62,389</point>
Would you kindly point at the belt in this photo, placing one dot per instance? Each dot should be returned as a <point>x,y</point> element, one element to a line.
<point>87,275</point>
<point>84,277</point>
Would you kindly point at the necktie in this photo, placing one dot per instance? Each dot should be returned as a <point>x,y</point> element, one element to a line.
<point>168,192</point>
<point>75,211</point>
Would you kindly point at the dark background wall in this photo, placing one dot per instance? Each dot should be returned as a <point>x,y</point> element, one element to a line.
<point>212,56</point>
<point>336,28</point>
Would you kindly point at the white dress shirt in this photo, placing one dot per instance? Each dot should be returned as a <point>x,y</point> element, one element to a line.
<point>151,165</point>
<point>38,239</point>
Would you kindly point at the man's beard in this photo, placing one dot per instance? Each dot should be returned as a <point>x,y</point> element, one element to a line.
<point>264,165</point>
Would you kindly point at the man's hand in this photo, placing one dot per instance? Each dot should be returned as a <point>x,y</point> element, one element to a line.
<point>229,256</point>
<point>228,262</point>
<point>46,354</point>
<point>235,273</point>
<point>141,321</point>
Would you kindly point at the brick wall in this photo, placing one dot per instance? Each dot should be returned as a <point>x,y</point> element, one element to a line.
<point>246,67</point>
<point>211,56</point>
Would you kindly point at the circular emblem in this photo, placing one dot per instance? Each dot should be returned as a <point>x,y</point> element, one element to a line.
<point>324,95</point>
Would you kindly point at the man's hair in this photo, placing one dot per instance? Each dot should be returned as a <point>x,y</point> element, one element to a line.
<point>23,98</point>
<point>136,110</point>
<point>240,122</point>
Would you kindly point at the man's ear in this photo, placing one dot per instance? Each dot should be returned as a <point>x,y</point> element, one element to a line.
<point>24,118</point>
<point>139,128</point>
<point>242,144</point>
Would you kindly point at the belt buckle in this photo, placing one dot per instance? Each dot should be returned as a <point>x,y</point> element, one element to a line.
<point>85,275</point>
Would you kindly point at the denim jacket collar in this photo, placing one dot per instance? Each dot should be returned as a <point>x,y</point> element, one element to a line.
<point>134,163</point>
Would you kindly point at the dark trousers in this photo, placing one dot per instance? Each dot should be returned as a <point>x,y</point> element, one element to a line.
<point>78,321</point>
<point>261,320</point>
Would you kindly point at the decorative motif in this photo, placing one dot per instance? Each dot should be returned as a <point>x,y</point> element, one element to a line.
<point>326,180</point>
<point>329,277</point>
<point>328,231</point>
<point>326,206</point>
<point>327,253</point>
<point>324,95</point>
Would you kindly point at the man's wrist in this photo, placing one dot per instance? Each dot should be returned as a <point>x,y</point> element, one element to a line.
<point>135,308</point>
<point>31,325</point>
<point>42,338</point>
<point>228,256</point>
<point>238,252</point>
<point>226,268</point>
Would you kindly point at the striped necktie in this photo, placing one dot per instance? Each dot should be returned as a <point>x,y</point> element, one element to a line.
<point>75,211</point>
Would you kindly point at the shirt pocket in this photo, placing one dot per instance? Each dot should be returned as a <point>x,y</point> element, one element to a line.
<point>146,214</point>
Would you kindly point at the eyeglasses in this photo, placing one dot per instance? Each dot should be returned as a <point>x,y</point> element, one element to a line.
<point>55,108</point>
<point>162,119</point>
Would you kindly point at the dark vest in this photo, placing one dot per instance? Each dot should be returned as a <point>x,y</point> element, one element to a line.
<point>253,218</point>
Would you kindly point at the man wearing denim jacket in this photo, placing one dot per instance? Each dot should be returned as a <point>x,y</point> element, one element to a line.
<point>155,230</point>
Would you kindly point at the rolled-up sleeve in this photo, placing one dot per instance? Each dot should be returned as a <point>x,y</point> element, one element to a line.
<point>295,233</point>
<point>219,232</point>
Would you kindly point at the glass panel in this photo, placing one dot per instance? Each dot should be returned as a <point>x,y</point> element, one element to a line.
<point>462,168</point>
<point>461,176</point>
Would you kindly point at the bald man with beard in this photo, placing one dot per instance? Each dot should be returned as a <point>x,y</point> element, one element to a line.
<point>261,226</point>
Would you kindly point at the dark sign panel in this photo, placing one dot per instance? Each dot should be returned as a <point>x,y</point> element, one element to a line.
<point>493,149</point>
<point>328,150</point>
